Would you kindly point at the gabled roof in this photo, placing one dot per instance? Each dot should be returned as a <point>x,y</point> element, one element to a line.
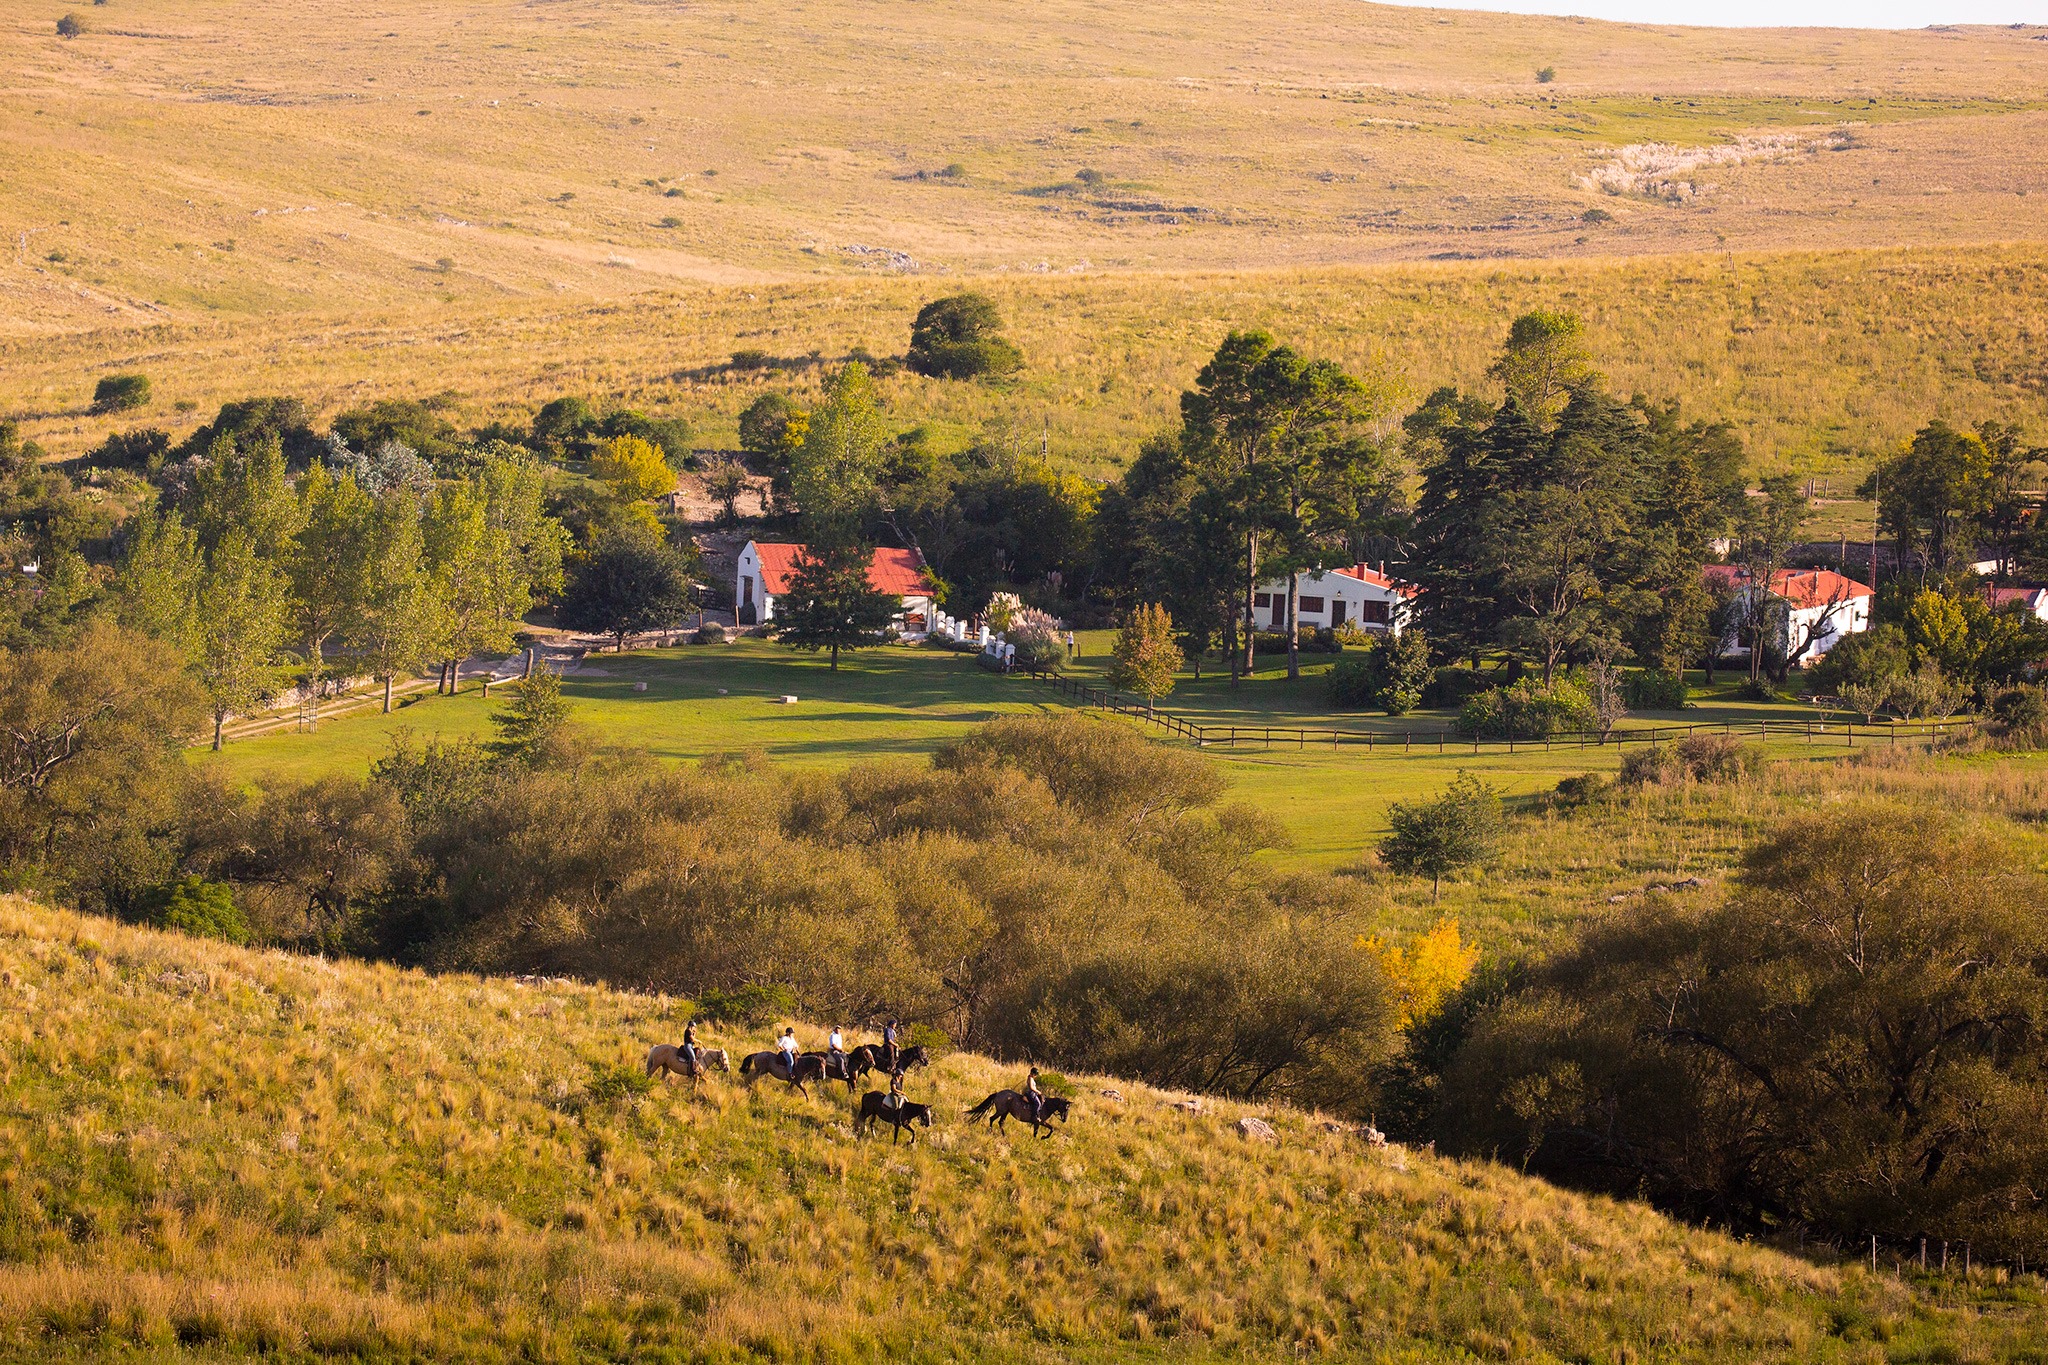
<point>1377,579</point>
<point>900,573</point>
<point>1800,588</point>
<point>2033,599</point>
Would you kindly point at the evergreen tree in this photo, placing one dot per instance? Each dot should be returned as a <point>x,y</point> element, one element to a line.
<point>528,729</point>
<point>831,603</point>
<point>1146,657</point>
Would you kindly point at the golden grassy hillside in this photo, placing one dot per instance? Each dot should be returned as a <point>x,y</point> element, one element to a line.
<point>196,156</point>
<point>1819,357</point>
<point>208,1152</point>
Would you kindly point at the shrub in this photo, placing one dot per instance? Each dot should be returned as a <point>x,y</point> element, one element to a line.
<point>1648,689</point>
<point>1584,788</point>
<point>1526,710</point>
<point>70,26</point>
<point>710,633</point>
<point>201,908</point>
<point>1353,682</point>
<point>1452,685</point>
<point>615,1081</point>
<point>751,1004</point>
<point>1546,75</point>
<point>2021,714</point>
<point>1700,757</point>
<point>1757,689</point>
<point>1652,766</point>
<point>1038,642</point>
<point>121,393</point>
<point>144,449</point>
<point>1392,674</point>
<point>1456,830</point>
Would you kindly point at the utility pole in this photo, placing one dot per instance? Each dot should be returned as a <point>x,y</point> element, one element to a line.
<point>1876,501</point>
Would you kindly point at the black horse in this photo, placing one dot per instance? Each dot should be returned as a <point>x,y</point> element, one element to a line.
<point>874,1057</point>
<point>809,1067</point>
<point>1008,1104</point>
<point>902,1116</point>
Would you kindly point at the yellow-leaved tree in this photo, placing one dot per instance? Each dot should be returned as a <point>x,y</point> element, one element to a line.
<point>1425,972</point>
<point>633,469</point>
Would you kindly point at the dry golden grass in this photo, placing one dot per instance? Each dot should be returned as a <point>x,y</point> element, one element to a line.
<point>216,1151</point>
<point>1819,357</point>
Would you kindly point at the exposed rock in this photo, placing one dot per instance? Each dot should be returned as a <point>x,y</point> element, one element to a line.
<point>1115,1095</point>
<point>1257,1129</point>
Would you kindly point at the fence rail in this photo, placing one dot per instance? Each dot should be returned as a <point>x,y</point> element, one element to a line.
<point>1815,731</point>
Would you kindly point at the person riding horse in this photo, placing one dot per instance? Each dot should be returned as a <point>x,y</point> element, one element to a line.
<point>835,1055</point>
<point>894,1100</point>
<point>690,1046</point>
<point>1034,1096</point>
<point>786,1045</point>
<point>889,1039</point>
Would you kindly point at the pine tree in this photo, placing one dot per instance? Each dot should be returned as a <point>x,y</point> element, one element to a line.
<point>831,603</point>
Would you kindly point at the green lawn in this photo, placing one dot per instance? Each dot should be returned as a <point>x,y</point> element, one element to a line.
<point>903,702</point>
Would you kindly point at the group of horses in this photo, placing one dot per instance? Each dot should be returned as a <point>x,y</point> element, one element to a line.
<point>668,1059</point>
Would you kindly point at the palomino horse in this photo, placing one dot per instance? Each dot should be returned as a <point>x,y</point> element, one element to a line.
<point>1008,1104</point>
<point>668,1059</point>
<point>901,1116</point>
<point>809,1067</point>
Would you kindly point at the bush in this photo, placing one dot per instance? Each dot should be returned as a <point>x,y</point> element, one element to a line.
<point>710,633</point>
<point>1757,689</point>
<point>2021,714</point>
<point>1700,757</point>
<point>1526,710</point>
<point>201,908</point>
<point>70,26</point>
<point>1039,646</point>
<point>143,450</point>
<point>1392,674</point>
<point>1452,685</point>
<point>1647,689</point>
<point>753,1004</point>
<point>121,393</point>
<point>1353,682</point>
<point>1583,789</point>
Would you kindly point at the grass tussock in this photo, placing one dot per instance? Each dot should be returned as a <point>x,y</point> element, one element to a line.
<point>213,1151</point>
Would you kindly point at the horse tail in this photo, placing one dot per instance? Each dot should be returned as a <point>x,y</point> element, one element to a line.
<point>982,1108</point>
<point>746,1065</point>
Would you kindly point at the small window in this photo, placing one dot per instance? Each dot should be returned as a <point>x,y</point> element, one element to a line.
<point>1314,604</point>
<point>1262,599</point>
<point>1373,612</point>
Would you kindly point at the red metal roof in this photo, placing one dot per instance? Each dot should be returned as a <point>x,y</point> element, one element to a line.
<point>1801,588</point>
<point>2030,598</point>
<point>1378,580</point>
<point>900,573</point>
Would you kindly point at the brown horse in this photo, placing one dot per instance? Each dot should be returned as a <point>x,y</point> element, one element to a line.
<point>872,1109</point>
<point>874,1057</point>
<point>809,1067</point>
<point>669,1060</point>
<point>1005,1105</point>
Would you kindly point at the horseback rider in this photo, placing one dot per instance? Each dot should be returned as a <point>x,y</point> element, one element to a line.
<point>889,1045</point>
<point>786,1045</point>
<point>690,1045</point>
<point>1034,1096</point>
<point>894,1099</point>
<point>835,1049</point>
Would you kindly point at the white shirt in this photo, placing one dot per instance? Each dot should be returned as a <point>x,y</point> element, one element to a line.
<point>788,1044</point>
<point>836,1044</point>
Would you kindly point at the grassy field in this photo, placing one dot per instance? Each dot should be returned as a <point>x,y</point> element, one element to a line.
<point>1332,804</point>
<point>208,1152</point>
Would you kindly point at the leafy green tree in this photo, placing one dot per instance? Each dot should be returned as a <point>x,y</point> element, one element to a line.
<point>632,468</point>
<point>327,566</point>
<point>1146,657</point>
<point>835,472</point>
<point>121,393</point>
<point>156,588</point>
<point>764,426</point>
<point>726,480</point>
<point>1164,535</point>
<point>251,422</point>
<point>192,905</point>
<point>629,580</point>
<point>245,618</point>
<point>1544,360</point>
<point>242,488</point>
<point>401,421</point>
<point>400,619</point>
<point>490,548</point>
<point>1931,495</point>
<point>1432,838</point>
<point>831,603</point>
<point>561,426</point>
<point>1768,526</point>
<point>1854,1040</point>
<point>1401,670</point>
<point>960,337</point>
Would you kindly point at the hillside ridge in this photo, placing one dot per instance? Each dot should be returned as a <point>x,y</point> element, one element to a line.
<point>217,1150</point>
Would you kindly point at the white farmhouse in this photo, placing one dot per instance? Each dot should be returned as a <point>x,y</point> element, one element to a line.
<point>2034,601</point>
<point>765,569</point>
<point>1358,596</point>
<point>1812,609</point>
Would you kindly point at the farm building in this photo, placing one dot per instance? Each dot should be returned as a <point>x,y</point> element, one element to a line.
<point>1360,596</point>
<point>1812,609</point>
<point>766,568</point>
<point>2033,600</point>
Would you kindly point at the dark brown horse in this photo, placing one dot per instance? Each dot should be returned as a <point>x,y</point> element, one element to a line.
<point>874,1057</point>
<point>1005,1105</point>
<point>809,1067</point>
<point>901,1116</point>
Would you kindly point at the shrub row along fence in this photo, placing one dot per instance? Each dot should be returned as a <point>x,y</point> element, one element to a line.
<point>1846,734</point>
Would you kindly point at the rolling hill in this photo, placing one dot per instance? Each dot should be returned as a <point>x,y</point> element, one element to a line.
<point>212,1151</point>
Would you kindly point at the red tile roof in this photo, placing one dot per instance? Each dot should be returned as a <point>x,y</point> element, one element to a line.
<point>900,573</point>
<point>2030,598</point>
<point>1801,588</point>
<point>1378,579</point>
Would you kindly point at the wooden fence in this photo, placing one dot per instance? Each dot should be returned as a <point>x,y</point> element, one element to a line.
<point>1813,730</point>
